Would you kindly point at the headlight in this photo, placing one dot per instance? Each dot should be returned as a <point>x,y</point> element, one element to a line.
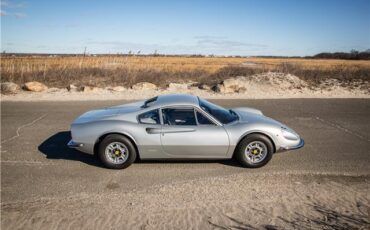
<point>288,134</point>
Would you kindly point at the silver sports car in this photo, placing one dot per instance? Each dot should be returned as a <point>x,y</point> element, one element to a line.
<point>180,126</point>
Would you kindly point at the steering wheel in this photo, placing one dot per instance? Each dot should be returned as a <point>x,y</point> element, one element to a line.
<point>166,120</point>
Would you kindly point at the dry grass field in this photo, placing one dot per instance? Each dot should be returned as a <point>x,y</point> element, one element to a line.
<point>59,71</point>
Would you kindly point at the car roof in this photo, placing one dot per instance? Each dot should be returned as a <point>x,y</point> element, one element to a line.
<point>176,99</point>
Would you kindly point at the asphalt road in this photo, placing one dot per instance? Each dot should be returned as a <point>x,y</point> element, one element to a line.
<point>36,164</point>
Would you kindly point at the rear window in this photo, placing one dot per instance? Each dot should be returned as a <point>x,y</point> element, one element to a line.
<point>151,117</point>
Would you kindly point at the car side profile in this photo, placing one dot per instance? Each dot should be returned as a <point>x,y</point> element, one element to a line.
<point>180,126</point>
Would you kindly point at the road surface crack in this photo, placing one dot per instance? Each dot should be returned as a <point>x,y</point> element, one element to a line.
<point>342,129</point>
<point>21,127</point>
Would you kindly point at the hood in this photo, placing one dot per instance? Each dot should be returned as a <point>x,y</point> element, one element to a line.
<point>251,115</point>
<point>247,110</point>
<point>100,114</point>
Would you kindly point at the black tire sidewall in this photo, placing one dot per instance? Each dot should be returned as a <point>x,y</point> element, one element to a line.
<point>243,144</point>
<point>117,138</point>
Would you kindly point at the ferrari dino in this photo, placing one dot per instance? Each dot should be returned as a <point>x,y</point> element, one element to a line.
<point>180,126</point>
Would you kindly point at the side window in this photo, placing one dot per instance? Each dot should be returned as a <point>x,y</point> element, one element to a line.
<point>151,117</point>
<point>175,116</point>
<point>203,120</point>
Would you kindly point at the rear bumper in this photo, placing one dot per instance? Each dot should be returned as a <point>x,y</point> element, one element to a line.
<point>72,144</point>
<point>298,146</point>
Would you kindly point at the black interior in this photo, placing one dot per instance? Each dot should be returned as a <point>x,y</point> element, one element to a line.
<point>202,120</point>
<point>179,116</point>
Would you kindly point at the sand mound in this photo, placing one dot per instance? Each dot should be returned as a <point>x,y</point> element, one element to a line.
<point>269,85</point>
<point>269,81</point>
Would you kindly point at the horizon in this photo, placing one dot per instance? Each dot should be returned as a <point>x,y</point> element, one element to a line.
<point>219,28</point>
<point>180,55</point>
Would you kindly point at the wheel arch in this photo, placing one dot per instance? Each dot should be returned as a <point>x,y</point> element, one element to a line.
<point>253,133</point>
<point>100,138</point>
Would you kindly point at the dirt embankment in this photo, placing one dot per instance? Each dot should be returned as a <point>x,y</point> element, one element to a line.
<point>264,85</point>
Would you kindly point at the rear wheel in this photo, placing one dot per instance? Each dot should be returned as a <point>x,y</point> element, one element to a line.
<point>254,151</point>
<point>116,152</point>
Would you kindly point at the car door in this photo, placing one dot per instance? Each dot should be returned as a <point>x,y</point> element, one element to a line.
<point>188,133</point>
<point>148,134</point>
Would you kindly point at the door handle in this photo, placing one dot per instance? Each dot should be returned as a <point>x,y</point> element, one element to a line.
<point>153,130</point>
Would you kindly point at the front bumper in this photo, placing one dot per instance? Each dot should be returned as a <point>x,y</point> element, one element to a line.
<point>298,146</point>
<point>72,144</point>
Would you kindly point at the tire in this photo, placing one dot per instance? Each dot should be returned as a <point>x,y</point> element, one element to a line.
<point>116,143</point>
<point>254,142</point>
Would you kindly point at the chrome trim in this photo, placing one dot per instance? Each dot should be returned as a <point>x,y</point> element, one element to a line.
<point>114,157</point>
<point>300,145</point>
<point>209,116</point>
<point>214,120</point>
<point>72,144</point>
<point>177,129</point>
<point>255,152</point>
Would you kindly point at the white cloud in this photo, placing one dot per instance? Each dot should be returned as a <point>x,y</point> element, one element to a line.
<point>20,15</point>
<point>13,5</point>
<point>209,37</point>
<point>222,42</point>
<point>218,46</point>
<point>9,6</point>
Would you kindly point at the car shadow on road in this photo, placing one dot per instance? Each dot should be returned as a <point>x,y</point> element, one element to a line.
<point>230,162</point>
<point>55,147</point>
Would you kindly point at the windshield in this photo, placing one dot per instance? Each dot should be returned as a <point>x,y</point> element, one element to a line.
<point>221,114</point>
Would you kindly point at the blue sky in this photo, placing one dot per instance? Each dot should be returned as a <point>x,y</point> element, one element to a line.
<point>220,27</point>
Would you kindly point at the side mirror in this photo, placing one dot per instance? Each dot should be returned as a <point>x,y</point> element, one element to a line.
<point>147,120</point>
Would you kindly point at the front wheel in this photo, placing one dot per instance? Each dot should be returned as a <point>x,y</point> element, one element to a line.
<point>254,151</point>
<point>116,152</point>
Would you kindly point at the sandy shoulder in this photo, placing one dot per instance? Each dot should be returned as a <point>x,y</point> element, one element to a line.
<point>237,201</point>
